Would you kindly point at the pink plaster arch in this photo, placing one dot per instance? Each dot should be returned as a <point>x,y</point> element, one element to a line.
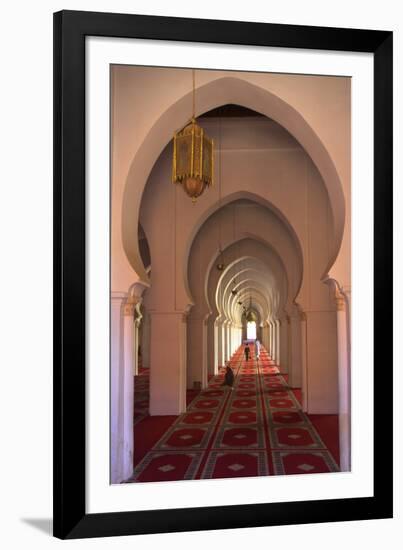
<point>221,91</point>
<point>225,201</point>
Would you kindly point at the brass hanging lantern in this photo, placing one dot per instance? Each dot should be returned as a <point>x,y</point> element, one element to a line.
<point>192,165</point>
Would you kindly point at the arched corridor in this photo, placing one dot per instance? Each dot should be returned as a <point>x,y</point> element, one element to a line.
<point>262,255</point>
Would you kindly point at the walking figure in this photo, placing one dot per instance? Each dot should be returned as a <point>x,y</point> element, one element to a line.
<point>247,352</point>
<point>257,349</point>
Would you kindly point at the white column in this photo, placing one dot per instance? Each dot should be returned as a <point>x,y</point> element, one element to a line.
<point>278,355</point>
<point>135,348</point>
<point>264,335</point>
<point>289,347</point>
<point>136,325</point>
<point>223,339</point>
<point>295,366</point>
<point>284,346</point>
<point>221,343</point>
<point>145,340</point>
<point>216,346</point>
<point>304,366</point>
<point>168,363</point>
<point>127,393</point>
<point>344,383</point>
<point>274,341</point>
<point>225,342</point>
<point>196,352</point>
<point>222,362</point>
<point>270,348</point>
<point>211,346</point>
<point>117,299</point>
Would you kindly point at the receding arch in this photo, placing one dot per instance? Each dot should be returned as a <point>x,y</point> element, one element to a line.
<point>213,277</point>
<point>226,201</point>
<point>215,208</point>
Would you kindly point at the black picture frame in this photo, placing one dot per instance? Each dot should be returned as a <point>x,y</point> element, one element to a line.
<point>70,30</point>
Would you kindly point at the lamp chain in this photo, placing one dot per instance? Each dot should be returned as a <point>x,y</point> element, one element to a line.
<point>194,92</point>
<point>219,182</point>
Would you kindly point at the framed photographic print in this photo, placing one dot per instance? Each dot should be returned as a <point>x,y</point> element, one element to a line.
<point>223,274</point>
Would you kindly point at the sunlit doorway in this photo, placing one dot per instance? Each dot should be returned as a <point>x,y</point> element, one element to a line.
<point>251,330</point>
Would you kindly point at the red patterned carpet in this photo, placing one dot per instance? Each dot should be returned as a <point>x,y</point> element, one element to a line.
<point>256,429</point>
